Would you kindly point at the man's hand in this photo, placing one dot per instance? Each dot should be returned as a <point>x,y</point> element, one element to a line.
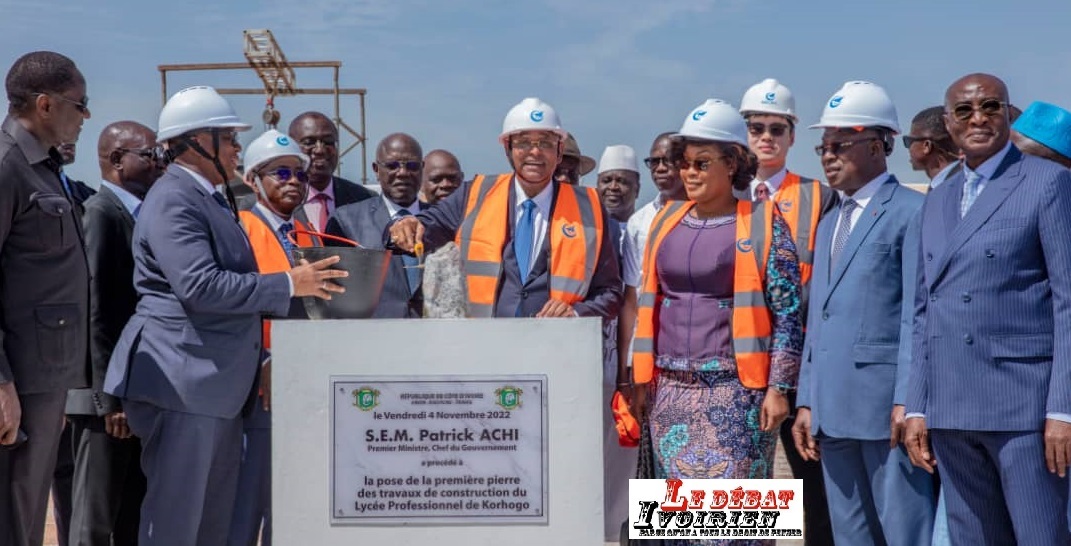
<point>917,441</point>
<point>116,426</point>
<point>1057,446</point>
<point>801,435</point>
<point>774,410</point>
<point>312,279</point>
<point>265,385</point>
<point>10,413</point>
<point>896,426</point>
<point>405,233</point>
<point>556,308</point>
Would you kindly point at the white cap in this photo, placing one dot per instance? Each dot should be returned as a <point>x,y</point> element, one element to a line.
<point>618,158</point>
<point>197,108</point>
<point>859,104</point>
<point>531,114</point>
<point>271,145</point>
<point>769,97</point>
<point>715,120</point>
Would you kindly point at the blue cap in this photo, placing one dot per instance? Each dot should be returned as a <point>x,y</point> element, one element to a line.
<point>1046,124</point>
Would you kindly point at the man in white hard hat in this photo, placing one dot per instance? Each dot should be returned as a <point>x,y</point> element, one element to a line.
<point>991,371</point>
<point>187,361</point>
<point>853,378</point>
<point>544,246</point>
<point>770,111</point>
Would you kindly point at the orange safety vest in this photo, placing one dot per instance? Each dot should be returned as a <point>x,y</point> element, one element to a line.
<point>752,323</point>
<point>576,231</point>
<point>800,202</point>
<point>270,256</point>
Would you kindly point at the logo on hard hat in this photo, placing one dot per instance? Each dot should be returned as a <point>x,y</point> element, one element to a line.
<point>282,141</point>
<point>698,114</point>
<point>771,96</point>
<point>536,116</point>
<point>743,245</point>
<point>785,206</point>
<point>835,101</point>
<point>569,230</point>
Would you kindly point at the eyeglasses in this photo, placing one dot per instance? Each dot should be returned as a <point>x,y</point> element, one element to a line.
<point>527,145</point>
<point>836,148</point>
<point>699,164</point>
<point>152,155</point>
<point>397,165</point>
<point>82,106</point>
<point>227,136</point>
<point>909,140</point>
<point>312,142</point>
<point>775,129</point>
<point>283,174</point>
<point>654,162</point>
<point>988,107</point>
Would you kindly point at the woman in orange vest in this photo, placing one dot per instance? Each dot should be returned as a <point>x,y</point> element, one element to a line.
<point>719,326</point>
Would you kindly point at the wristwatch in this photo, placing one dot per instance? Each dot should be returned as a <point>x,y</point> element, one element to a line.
<point>783,389</point>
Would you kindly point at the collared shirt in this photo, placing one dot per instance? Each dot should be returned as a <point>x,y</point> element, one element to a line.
<point>395,208</point>
<point>773,183</point>
<point>639,226</point>
<point>943,174</point>
<point>988,167</point>
<point>543,201</point>
<point>862,198</point>
<point>130,201</point>
<point>313,205</point>
<point>274,220</point>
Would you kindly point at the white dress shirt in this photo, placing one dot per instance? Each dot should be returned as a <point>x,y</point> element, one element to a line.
<point>862,198</point>
<point>394,208</point>
<point>543,201</point>
<point>773,183</point>
<point>636,231</point>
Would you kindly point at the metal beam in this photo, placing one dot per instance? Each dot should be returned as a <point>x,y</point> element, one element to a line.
<point>243,66</point>
<point>310,91</point>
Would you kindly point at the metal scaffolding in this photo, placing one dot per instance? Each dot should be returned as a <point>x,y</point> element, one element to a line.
<point>264,56</point>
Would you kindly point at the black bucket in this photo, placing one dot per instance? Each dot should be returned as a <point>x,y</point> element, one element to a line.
<point>364,285</point>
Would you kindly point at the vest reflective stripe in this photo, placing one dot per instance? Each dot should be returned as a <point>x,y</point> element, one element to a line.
<point>576,229</point>
<point>800,203</point>
<point>269,253</point>
<point>751,321</point>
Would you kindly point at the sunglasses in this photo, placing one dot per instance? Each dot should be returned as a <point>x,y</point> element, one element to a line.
<point>655,162</point>
<point>283,174</point>
<point>152,155</point>
<point>82,106</point>
<point>699,164</point>
<point>988,107</point>
<point>775,129</point>
<point>312,142</point>
<point>397,165</point>
<point>526,145</point>
<point>836,148</point>
<point>909,140</point>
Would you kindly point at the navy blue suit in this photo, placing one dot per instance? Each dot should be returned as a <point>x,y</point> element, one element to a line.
<point>855,368</point>
<point>187,362</point>
<point>364,222</point>
<point>526,298</point>
<point>992,354</point>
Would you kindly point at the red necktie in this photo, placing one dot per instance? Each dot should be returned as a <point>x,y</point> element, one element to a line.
<point>323,198</point>
<point>762,192</point>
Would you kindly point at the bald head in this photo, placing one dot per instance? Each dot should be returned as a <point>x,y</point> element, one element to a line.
<point>442,176</point>
<point>318,137</point>
<point>976,115</point>
<point>126,151</point>
<point>398,167</point>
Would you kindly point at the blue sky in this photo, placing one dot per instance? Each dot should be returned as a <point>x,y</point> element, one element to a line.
<point>618,71</point>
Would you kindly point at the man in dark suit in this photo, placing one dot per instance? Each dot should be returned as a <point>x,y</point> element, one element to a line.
<point>991,369</point>
<point>398,168</point>
<point>44,289</point>
<point>108,482</point>
<point>186,363</point>
<point>318,137</point>
<point>530,245</point>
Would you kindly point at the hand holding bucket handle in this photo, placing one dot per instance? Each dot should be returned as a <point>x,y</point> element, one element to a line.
<point>312,279</point>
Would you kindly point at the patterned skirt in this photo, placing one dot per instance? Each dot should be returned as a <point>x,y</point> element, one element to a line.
<point>705,424</point>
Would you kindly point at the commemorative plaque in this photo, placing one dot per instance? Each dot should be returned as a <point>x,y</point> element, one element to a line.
<point>439,450</point>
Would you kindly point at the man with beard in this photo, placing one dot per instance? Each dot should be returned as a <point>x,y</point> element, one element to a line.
<point>398,167</point>
<point>442,176</point>
<point>991,371</point>
<point>108,483</point>
<point>318,137</point>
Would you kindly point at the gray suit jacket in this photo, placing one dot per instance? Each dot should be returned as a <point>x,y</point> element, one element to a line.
<point>194,343</point>
<point>364,222</point>
<point>44,288</point>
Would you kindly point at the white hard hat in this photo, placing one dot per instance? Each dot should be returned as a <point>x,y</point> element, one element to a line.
<point>716,120</point>
<point>859,104</point>
<point>769,97</point>
<point>268,146</point>
<point>194,108</point>
<point>618,158</point>
<point>531,114</point>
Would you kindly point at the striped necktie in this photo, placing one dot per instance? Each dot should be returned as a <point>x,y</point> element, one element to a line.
<point>844,230</point>
<point>971,189</point>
